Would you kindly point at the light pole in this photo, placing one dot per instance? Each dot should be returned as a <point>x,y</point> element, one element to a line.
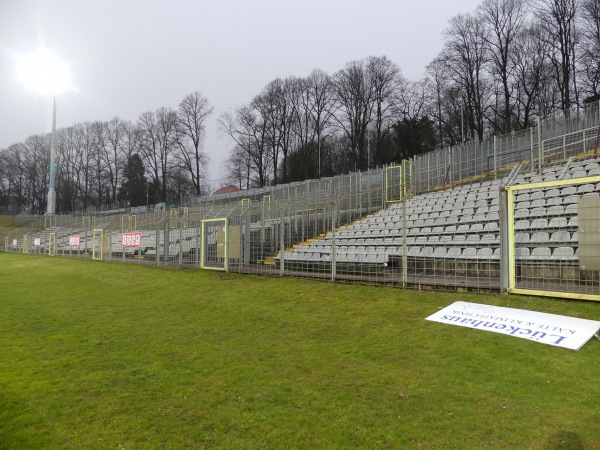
<point>45,73</point>
<point>51,210</point>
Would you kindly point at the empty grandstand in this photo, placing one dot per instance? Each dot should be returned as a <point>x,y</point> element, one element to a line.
<point>520,213</point>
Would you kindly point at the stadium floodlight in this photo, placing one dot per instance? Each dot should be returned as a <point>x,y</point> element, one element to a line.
<point>45,73</point>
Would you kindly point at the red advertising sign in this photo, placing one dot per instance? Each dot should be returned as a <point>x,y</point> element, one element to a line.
<point>74,241</point>
<point>37,242</point>
<point>132,239</point>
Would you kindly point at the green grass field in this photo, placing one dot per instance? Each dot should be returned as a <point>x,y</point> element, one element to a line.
<point>101,355</point>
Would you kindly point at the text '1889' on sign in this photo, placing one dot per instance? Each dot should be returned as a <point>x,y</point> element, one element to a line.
<point>132,239</point>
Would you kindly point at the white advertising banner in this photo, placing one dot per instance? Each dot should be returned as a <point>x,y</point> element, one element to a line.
<point>551,329</point>
<point>37,242</point>
<point>74,241</point>
<point>132,239</point>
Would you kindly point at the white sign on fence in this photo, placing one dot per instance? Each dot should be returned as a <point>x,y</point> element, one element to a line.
<point>37,242</point>
<point>551,329</point>
<point>132,239</point>
<point>74,241</point>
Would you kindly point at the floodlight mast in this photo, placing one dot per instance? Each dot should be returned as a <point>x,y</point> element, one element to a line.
<point>51,210</point>
<point>43,72</point>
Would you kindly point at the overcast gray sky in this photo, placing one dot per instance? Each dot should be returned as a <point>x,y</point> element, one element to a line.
<point>128,57</point>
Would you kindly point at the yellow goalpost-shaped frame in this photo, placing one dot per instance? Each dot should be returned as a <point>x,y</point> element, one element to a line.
<point>403,172</point>
<point>97,240</point>
<point>512,289</point>
<point>52,244</point>
<point>203,246</point>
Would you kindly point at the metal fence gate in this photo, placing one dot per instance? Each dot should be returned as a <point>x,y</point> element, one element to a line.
<point>97,243</point>
<point>214,244</point>
<point>553,238</point>
<point>52,244</point>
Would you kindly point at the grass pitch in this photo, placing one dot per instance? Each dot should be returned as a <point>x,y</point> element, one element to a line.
<point>100,355</point>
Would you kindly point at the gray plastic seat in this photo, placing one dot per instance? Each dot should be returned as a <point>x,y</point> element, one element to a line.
<point>571,209</point>
<point>540,237</point>
<point>521,252</point>
<point>522,224</point>
<point>476,228</point>
<point>469,253</point>
<point>585,188</point>
<point>540,253</point>
<point>522,213</point>
<point>563,253</point>
<point>560,236</point>
<point>464,228</point>
<point>459,239</point>
<point>489,239</point>
<point>440,252</point>
<point>454,252</point>
<point>485,253</point>
<point>522,238</point>
<point>556,210</point>
<point>493,226</point>
<point>539,223</point>
<point>414,251</point>
<point>567,191</point>
<point>427,252</point>
<point>473,239</point>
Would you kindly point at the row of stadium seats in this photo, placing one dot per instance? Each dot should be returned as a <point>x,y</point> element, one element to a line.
<point>462,222</point>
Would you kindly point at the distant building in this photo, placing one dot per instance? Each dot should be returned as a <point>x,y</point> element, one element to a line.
<point>226,190</point>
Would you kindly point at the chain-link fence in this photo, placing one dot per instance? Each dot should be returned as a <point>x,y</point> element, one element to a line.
<point>448,239</point>
<point>441,221</point>
<point>554,138</point>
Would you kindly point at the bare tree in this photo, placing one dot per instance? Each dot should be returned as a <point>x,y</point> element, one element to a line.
<point>532,73</point>
<point>504,20</point>
<point>590,22</point>
<point>248,132</point>
<point>193,112</point>
<point>354,104</point>
<point>386,86</point>
<point>115,135</point>
<point>97,143</point>
<point>14,168</point>
<point>465,56</point>
<point>438,84</point>
<point>558,17</point>
<point>236,169</point>
<point>319,106</point>
<point>84,170</point>
<point>271,107</point>
<point>158,133</point>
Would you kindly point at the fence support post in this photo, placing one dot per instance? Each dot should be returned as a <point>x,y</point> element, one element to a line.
<point>180,229</point>
<point>281,245</point>
<point>404,246</point>
<point>495,159</point>
<point>157,246</point>
<point>166,242</point>
<point>333,251</point>
<point>504,259</point>
<point>531,147</point>
<point>540,147</point>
